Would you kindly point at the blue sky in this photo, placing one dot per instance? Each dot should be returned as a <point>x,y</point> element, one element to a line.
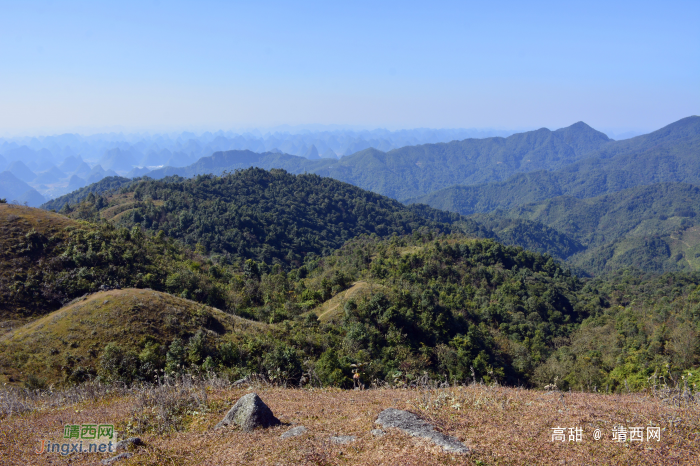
<point>149,65</point>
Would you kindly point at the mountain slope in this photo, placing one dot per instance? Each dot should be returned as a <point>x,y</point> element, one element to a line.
<point>654,228</point>
<point>670,154</point>
<point>268,216</point>
<point>414,170</point>
<point>47,259</point>
<point>68,345</point>
<point>104,185</point>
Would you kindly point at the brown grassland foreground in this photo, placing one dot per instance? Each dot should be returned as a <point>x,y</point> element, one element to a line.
<point>500,425</point>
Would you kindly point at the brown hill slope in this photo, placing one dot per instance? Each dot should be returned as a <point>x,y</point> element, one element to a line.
<point>67,344</point>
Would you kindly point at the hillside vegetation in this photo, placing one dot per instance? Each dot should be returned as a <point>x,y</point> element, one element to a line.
<point>653,228</point>
<point>275,217</point>
<point>445,306</point>
<point>47,259</point>
<point>647,329</point>
<point>123,335</point>
<point>271,216</point>
<point>667,155</point>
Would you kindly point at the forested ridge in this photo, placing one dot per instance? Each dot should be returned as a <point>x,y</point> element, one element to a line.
<point>271,216</point>
<point>653,228</point>
<point>429,302</point>
<point>667,155</point>
<point>412,171</point>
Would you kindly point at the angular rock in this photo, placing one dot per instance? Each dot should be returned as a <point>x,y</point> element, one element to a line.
<point>120,456</point>
<point>378,432</point>
<point>129,442</point>
<point>343,439</point>
<point>417,427</point>
<point>294,432</point>
<point>249,412</point>
<point>242,381</point>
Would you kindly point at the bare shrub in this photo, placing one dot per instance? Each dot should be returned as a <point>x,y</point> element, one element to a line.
<point>165,407</point>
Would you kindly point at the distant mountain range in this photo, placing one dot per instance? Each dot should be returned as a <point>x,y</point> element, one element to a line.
<point>599,204</point>
<point>135,155</point>
<point>416,170</point>
<point>671,154</point>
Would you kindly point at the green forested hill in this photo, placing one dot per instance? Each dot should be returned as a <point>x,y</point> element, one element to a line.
<point>653,228</point>
<point>278,217</point>
<point>532,235</point>
<point>415,170</point>
<point>671,154</point>
<point>658,209</point>
<point>444,305</point>
<point>647,333</point>
<point>271,216</point>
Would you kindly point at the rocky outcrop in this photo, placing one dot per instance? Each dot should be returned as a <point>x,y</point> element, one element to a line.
<point>417,427</point>
<point>294,432</point>
<point>249,412</point>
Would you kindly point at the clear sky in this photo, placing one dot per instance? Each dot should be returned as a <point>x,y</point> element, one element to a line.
<point>149,65</point>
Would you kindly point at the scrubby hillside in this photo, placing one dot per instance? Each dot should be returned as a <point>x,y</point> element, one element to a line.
<point>47,259</point>
<point>122,335</point>
<point>648,329</point>
<point>653,228</point>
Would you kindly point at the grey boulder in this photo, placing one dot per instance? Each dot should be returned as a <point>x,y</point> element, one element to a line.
<point>129,442</point>
<point>417,427</point>
<point>249,412</point>
<point>294,432</point>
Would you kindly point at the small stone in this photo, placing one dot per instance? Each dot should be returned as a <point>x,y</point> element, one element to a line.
<point>294,432</point>
<point>129,442</point>
<point>378,432</point>
<point>417,427</point>
<point>242,381</point>
<point>343,439</point>
<point>120,456</point>
<point>249,412</point>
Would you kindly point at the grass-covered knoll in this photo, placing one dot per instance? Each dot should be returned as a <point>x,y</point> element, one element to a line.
<point>270,216</point>
<point>119,334</point>
<point>47,259</point>
<point>666,155</point>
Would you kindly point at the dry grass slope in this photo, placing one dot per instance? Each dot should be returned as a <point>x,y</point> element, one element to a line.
<point>80,330</point>
<point>333,308</point>
<point>501,426</point>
